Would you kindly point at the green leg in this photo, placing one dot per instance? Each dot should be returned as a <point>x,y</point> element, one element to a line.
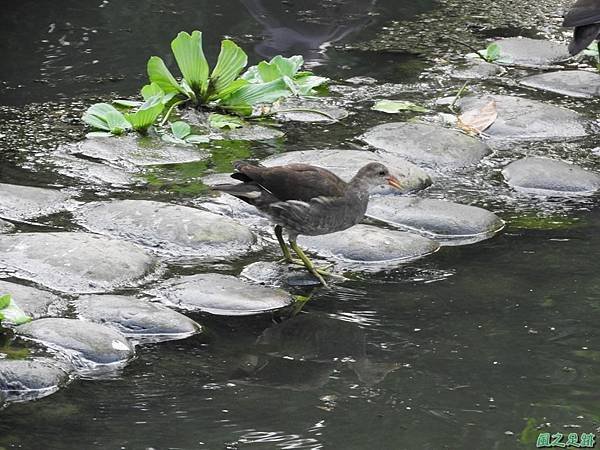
<point>284,248</point>
<point>307,263</point>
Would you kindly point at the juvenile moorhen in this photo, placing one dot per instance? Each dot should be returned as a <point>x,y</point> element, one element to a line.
<point>584,15</point>
<point>307,200</point>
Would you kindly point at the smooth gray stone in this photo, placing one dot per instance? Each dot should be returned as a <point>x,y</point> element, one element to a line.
<point>90,347</point>
<point>367,246</point>
<point>521,119</point>
<point>222,295</point>
<point>34,302</point>
<point>137,319</point>
<point>345,164</point>
<point>74,262</point>
<point>6,227</point>
<point>477,69</point>
<point>30,379</point>
<point>134,150</point>
<point>573,83</point>
<point>92,172</point>
<point>447,222</point>
<point>269,273</point>
<point>426,144</point>
<point>250,132</point>
<point>230,206</point>
<point>171,230</point>
<point>550,177</point>
<point>528,52</point>
<point>303,106</point>
<point>27,202</point>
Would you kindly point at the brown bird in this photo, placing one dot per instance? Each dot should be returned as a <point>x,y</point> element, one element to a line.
<point>584,15</point>
<point>307,200</point>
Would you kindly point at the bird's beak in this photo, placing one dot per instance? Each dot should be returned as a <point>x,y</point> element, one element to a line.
<point>394,182</point>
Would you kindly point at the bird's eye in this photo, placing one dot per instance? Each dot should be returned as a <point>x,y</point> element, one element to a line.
<point>382,173</point>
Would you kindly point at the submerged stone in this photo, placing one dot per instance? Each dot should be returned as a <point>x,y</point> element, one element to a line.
<point>301,109</point>
<point>138,319</point>
<point>366,246</point>
<point>34,302</point>
<point>345,164</point>
<point>250,132</point>
<point>427,144</point>
<point>448,222</point>
<point>222,295</point>
<point>529,52</point>
<point>92,172</point>
<point>88,346</point>
<point>6,227</point>
<point>271,273</point>
<point>573,83</point>
<point>478,69</point>
<point>172,230</point>
<point>27,202</point>
<point>550,177</point>
<point>30,379</point>
<point>73,262</point>
<point>522,119</point>
<point>135,150</point>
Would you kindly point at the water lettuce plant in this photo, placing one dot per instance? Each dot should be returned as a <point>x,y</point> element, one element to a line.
<point>10,312</point>
<point>223,87</point>
<point>181,133</point>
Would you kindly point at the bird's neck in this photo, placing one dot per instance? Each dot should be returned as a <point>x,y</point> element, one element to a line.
<point>358,188</point>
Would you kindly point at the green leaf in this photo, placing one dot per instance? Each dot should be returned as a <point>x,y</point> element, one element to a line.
<point>180,129</point>
<point>128,103</point>
<point>191,61</point>
<point>172,139</point>
<point>395,106</point>
<point>93,134</point>
<point>252,75</point>
<point>234,86</point>
<point>197,139</point>
<point>224,121</point>
<point>147,114</point>
<point>5,301</point>
<point>106,117</point>
<point>232,60</point>
<point>306,82</point>
<point>252,94</point>
<point>151,90</point>
<point>268,72</point>
<point>159,74</point>
<point>288,66</point>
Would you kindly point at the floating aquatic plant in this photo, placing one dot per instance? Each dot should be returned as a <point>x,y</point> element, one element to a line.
<point>10,312</point>
<point>224,87</point>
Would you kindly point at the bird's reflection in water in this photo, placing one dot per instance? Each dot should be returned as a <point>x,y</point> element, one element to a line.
<point>307,27</point>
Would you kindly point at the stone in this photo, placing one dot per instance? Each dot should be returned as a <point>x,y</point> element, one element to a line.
<point>89,172</point>
<point>251,132</point>
<point>222,295</point>
<point>27,202</point>
<point>521,119</point>
<point>174,231</point>
<point>306,110</point>
<point>137,319</point>
<point>6,227</point>
<point>135,150</point>
<point>34,302</point>
<point>477,69</point>
<point>572,83</point>
<point>550,177</point>
<point>30,379</point>
<point>269,273</point>
<point>446,222</point>
<point>90,347</point>
<point>345,164</point>
<point>73,262</point>
<point>426,144</point>
<point>369,247</point>
<point>230,206</point>
<point>527,52</point>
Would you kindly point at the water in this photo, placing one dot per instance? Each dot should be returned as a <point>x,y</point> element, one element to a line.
<point>473,347</point>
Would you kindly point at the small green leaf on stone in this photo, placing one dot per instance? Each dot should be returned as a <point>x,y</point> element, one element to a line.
<point>180,129</point>
<point>225,121</point>
<point>395,106</point>
<point>4,301</point>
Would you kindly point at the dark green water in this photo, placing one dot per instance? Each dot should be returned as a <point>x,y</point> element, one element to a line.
<point>471,348</point>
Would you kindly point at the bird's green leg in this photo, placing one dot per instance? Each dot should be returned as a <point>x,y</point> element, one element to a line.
<point>287,256</point>
<point>308,263</point>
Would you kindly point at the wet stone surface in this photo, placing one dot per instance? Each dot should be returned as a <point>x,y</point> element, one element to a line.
<point>175,231</point>
<point>73,262</point>
<point>477,69</point>
<point>249,132</point>
<point>521,119</point>
<point>93,172</point>
<point>366,246</point>
<point>345,164</point>
<point>34,302</point>
<point>531,52</point>
<point>573,83</point>
<point>6,227</point>
<point>426,144</point>
<point>447,222</point>
<point>88,346</point>
<point>137,151</point>
<point>270,273</point>
<point>550,177</point>
<point>27,202</point>
<point>138,319</point>
<point>321,110</point>
<point>223,295</point>
<point>29,379</point>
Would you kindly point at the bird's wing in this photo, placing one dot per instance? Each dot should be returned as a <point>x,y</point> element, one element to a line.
<point>584,12</point>
<point>300,182</point>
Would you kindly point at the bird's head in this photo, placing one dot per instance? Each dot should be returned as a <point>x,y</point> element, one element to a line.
<point>375,175</point>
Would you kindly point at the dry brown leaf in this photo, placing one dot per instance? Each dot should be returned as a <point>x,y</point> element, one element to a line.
<point>477,121</point>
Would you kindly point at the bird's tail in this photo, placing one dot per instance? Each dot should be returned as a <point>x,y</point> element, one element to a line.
<point>242,191</point>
